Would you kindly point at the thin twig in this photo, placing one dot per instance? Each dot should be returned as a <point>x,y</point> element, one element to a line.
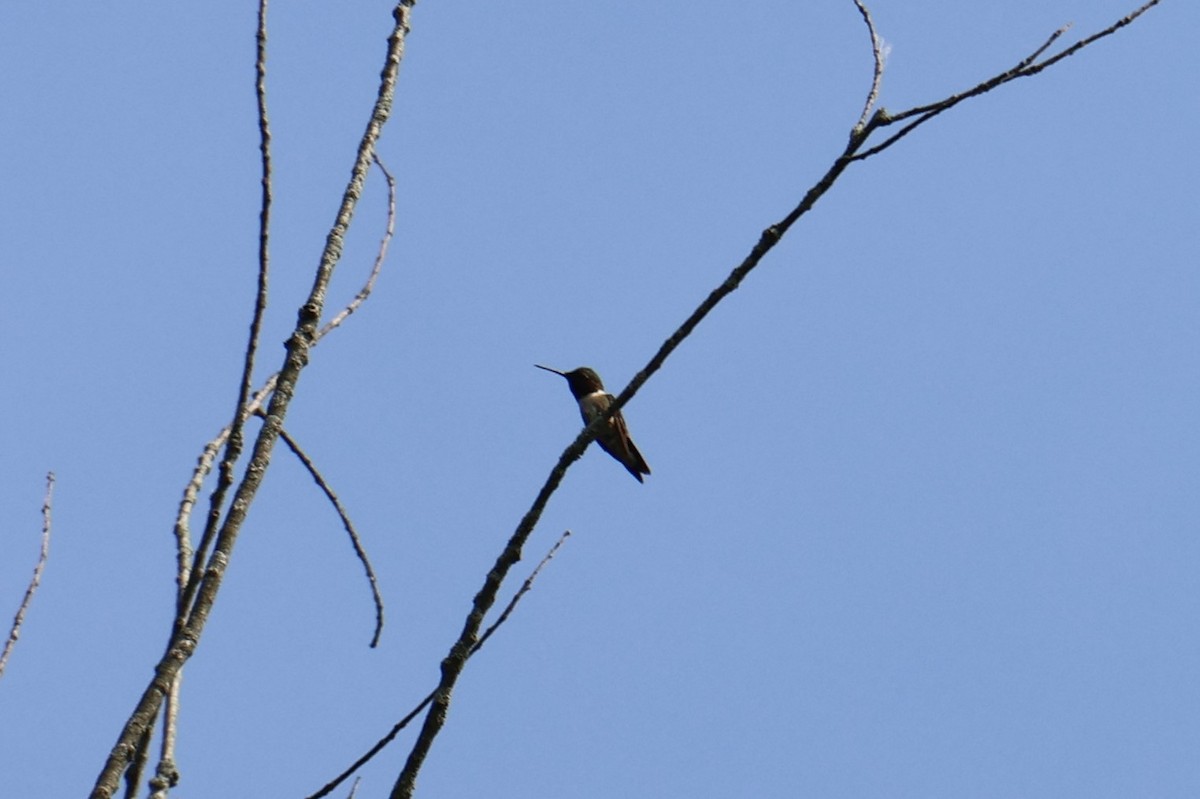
<point>379,746</point>
<point>234,443</point>
<point>424,703</point>
<point>185,638</point>
<point>521,592</point>
<point>190,562</point>
<point>877,53</point>
<point>355,541</point>
<point>166,773</point>
<point>380,255</point>
<point>14,632</point>
<point>1054,37</point>
<point>1111,29</point>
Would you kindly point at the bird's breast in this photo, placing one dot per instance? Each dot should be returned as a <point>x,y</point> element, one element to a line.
<point>594,404</point>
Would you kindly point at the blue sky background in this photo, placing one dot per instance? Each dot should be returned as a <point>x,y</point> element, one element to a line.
<point>924,512</point>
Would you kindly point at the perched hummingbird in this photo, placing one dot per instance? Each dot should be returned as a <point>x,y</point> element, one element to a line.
<point>593,401</point>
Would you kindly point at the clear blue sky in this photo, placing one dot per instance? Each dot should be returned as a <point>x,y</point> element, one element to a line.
<point>925,506</point>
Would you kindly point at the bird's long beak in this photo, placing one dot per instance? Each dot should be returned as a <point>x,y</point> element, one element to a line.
<point>548,369</point>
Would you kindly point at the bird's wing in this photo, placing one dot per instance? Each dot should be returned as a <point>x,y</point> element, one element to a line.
<point>627,444</point>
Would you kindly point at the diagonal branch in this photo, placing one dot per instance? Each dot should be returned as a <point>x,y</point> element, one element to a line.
<point>455,660</point>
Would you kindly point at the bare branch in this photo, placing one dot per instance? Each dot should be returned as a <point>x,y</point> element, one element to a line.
<point>1054,37</point>
<point>166,774</point>
<point>14,632</point>
<point>379,746</point>
<point>380,255</point>
<point>355,541</point>
<point>1111,29</point>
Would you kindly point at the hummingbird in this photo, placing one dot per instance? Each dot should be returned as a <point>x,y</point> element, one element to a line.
<point>593,401</point>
